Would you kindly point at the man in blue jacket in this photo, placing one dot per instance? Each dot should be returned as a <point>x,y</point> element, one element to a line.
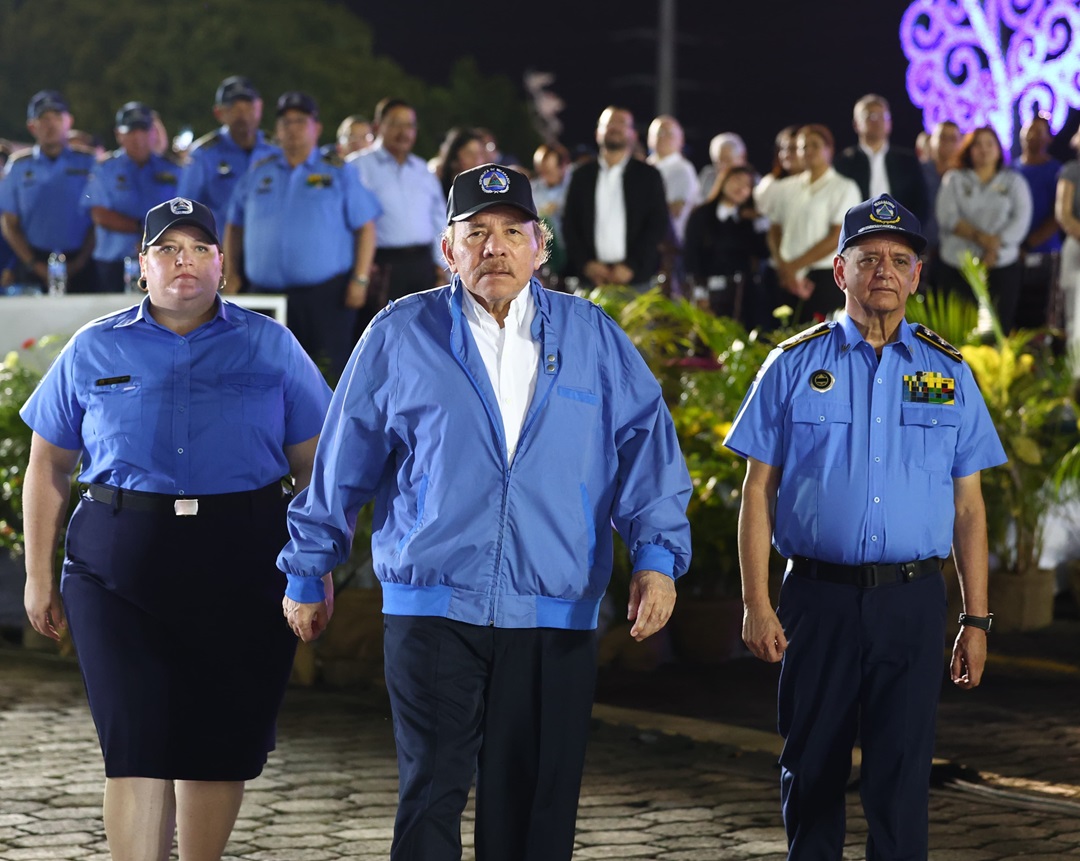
<point>501,429</point>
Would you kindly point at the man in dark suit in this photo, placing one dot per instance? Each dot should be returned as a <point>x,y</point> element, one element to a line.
<point>616,213</point>
<point>878,168</point>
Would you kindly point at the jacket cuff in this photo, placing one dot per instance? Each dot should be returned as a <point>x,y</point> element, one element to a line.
<point>653,557</point>
<point>305,590</point>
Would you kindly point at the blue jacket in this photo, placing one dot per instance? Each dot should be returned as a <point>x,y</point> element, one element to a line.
<point>459,531</point>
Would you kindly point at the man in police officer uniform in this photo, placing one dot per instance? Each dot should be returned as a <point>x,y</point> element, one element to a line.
<point>864,439</point>
<point>218,160</point>
<point>40,195</point>
<point>306,228</point>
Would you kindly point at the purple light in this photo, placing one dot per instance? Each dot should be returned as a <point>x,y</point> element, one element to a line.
<point>993,62</point>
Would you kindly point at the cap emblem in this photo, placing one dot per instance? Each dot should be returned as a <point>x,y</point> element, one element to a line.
<point>494,181</point>
<point>884,211</point>
<point>181,206</point>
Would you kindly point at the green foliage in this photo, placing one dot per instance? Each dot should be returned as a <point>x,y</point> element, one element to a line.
<point>705,365</point>
<point>948,314</point>
<point>172,54</point>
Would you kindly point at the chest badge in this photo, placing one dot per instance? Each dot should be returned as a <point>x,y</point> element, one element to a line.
<point>821,380</point>
<point>929,387</point>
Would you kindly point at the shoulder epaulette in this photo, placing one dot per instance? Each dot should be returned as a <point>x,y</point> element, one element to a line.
<point>805,335</point>
<point>81,149</point>
<point>25,152</point>
<point>333,159</point>
<point>937,342</point>
<point>207,140</point>
<point>265,159</point>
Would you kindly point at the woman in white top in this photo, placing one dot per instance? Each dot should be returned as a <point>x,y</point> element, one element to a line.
<point>806,211</point>
<point>985,208</point>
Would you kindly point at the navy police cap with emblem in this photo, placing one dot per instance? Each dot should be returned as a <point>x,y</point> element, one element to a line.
<point>46,100</point>
<point>175,212</point>
<point>296,101</point>
<point>881,214</point>
<point>489,185</point>
<point>132,116</point>
<point>235,88</point>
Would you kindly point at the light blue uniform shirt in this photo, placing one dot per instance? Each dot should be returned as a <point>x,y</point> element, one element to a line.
<point>299,223</point>
<point>45,194</point>
<point>206,412</point>
<point>214,169</point>
<point>123,186</point>
<point>413,204</point>
<point>869,449</point>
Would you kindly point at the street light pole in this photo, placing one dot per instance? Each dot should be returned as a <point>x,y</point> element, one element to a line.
<point>665,59</point>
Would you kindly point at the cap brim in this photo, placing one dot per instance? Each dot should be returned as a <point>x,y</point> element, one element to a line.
<point>916,240</point>
<point>487,204</point>
<point>177,222</point>
<point>133,127</point>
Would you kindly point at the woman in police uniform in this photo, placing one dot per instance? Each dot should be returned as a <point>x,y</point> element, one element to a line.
<point>186,412</point>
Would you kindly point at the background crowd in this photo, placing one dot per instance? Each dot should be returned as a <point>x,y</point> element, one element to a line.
<point>343,227</point>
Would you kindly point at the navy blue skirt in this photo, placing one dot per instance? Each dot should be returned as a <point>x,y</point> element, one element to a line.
<point>178,629</point>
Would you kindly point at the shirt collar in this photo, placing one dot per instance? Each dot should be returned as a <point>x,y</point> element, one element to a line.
<point>853,337</point>
<point>142,315</point>
<point>870,154</point>
<point>519,313</point>
<point>618,166</point>
<point>725,211</point>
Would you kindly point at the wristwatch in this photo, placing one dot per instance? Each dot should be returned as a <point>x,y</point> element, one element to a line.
<point>983,622</point>
<point>361,279</point>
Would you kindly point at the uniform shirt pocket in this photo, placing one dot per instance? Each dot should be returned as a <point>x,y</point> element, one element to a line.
<point>114,409</point>
<point>929,435</point>
<point>821,431</point>
<point>251,398</point>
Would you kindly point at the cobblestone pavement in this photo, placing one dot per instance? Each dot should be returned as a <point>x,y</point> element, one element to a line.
<point>329,791</point>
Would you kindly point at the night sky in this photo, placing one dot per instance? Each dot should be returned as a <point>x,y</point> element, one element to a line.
<point>750,67</point>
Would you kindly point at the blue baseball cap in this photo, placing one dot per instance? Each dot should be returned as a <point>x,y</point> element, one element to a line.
<point>44,101</point>
<point>297,101</point>
<point>132,116</point>
<point>881,214</point>
<point>235,88</point>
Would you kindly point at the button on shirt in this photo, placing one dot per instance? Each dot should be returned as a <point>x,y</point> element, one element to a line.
<point>206,412</point>
<point>119,184</point>
<point>511,357</point>
<point>300,222</point>
<point>610,228</point>
<point>413,205</point>
<point>215,165</point>
<point>869,450</point>
<point>46,194</point>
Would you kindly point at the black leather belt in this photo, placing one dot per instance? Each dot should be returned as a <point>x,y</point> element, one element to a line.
<point>403,252</point>
<point>181,506</point>
<point>864,576</point>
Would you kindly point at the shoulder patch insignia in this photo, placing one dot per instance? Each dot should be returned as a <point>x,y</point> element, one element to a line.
<point>937,342</point>
<point>266,160</point>
<point>805,335</point>
<point>210,139</point>
<point>333,159</point>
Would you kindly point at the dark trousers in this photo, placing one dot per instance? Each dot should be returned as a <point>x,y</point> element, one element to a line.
<point>398,272</point>
<point>866,663</point>
<point>317,316</point>
<point>110,276</point>
<point>83,281</point>
<point>1003,282</point>
<point>511,706</point>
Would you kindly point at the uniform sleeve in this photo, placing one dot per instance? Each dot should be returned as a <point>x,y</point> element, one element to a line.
<point>54,411</point>
<point>977,444</point>
<point>192,182</point>
<point>307,395</point>
<point>653,486</point>
<point>97,188</point>
<point>235,213</point>
<point>351,456</point>
<point>361,206</point>
<point>8,201</point>
<point>758,429</point>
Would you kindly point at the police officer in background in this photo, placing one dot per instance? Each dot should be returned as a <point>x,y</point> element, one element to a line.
<point>306,228</point>
<point>216,161</point>
<point>40,198</point>
<point>864,440</point>
<point>122,189</point>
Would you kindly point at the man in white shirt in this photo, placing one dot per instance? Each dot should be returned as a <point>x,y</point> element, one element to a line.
<point>616,212</point>
<point>680,179</point>
<point>879,168</point>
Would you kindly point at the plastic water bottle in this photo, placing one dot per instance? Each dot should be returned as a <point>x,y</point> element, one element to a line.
<point>57,274</point>
<point>132,273</point>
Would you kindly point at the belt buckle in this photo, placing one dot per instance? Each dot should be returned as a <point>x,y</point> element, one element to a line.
<point>868,578</point>
<point>185,507</point>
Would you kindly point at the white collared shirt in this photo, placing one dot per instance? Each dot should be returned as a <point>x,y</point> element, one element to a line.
<point>726,212</point>
<point>609,231</point>
<point>511,357</point>
<point>879,177</point>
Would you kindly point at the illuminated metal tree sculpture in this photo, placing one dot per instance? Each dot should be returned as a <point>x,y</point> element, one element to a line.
<point>993,62</point>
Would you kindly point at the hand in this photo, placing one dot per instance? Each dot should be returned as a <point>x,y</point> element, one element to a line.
<point>43,607</point>
<point>41,269</point>
<point>652,598</point>
<point>968,657</point>
<point>990,243</point>
<point>356,295</point>
<point>621,274</point>
<point>307,621</point>
<point>804,288</point>
<point>763,633</point>
<point>597,272</point>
